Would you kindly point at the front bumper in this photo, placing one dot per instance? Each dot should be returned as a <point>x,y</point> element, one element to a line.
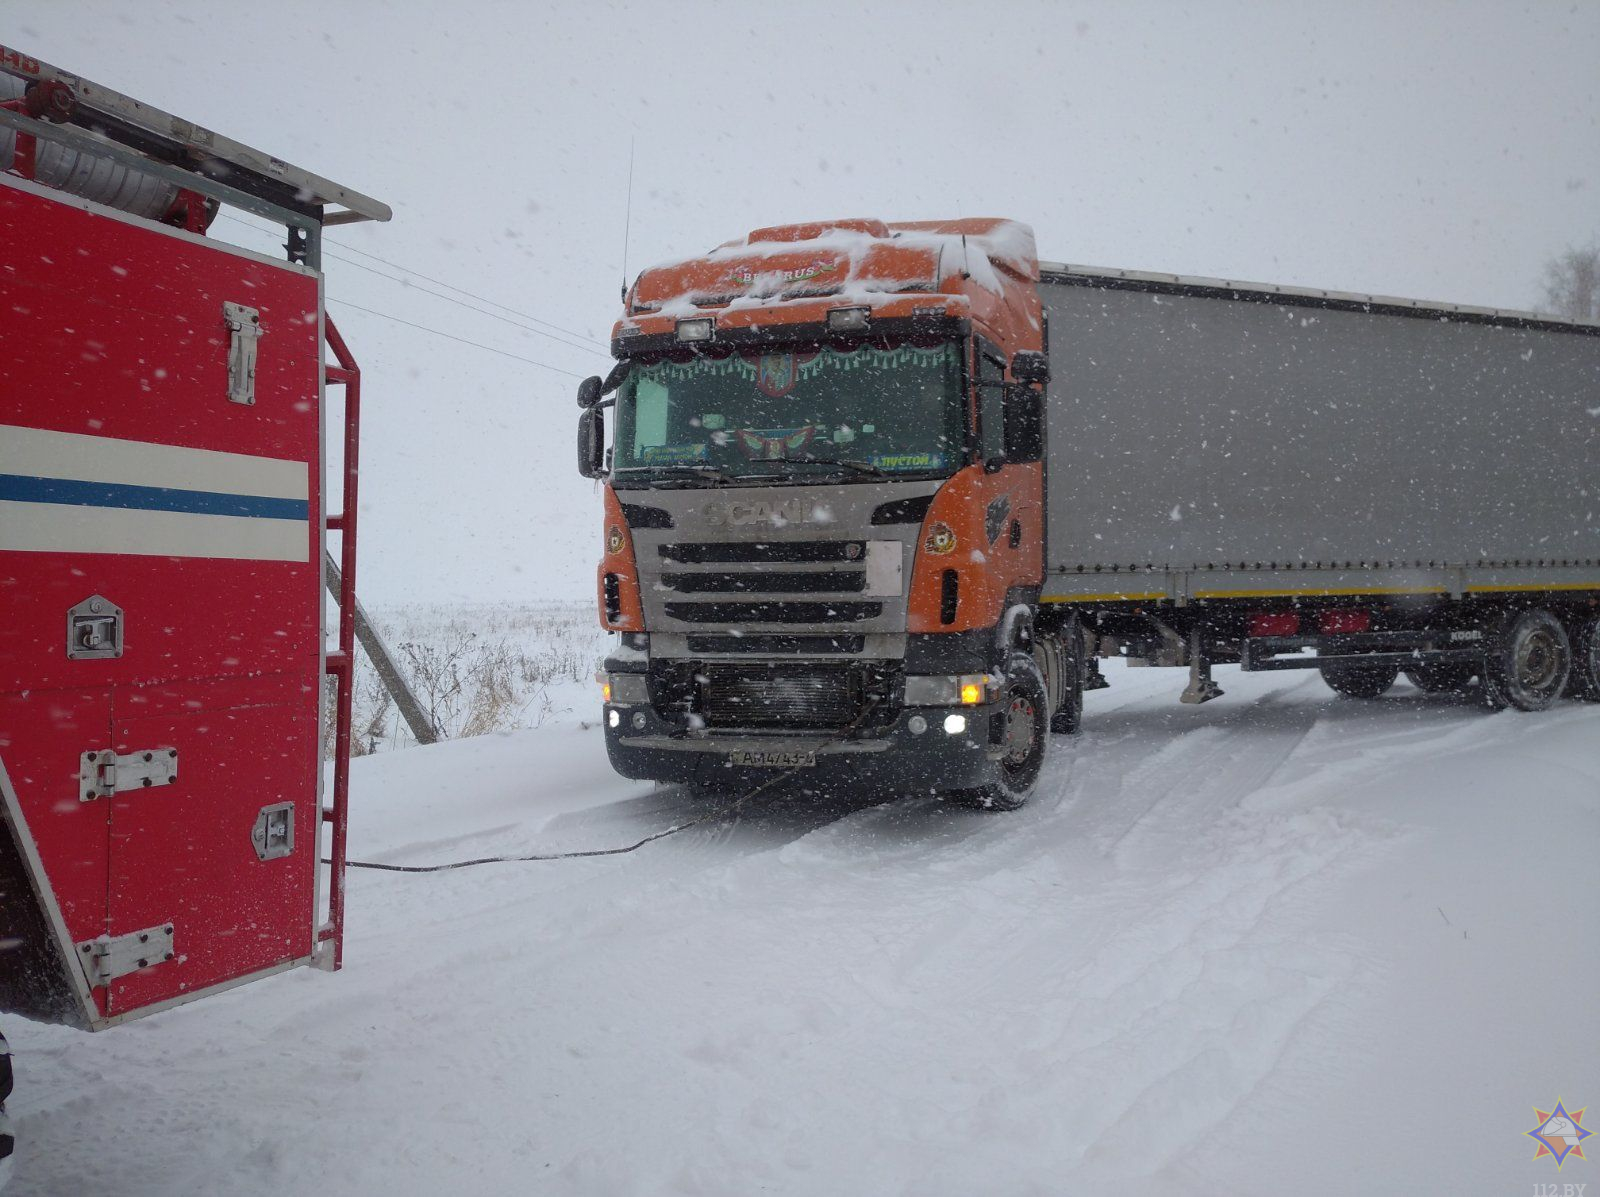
<point>891,755</point>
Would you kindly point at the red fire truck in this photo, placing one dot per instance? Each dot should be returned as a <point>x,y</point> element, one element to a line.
<point>163,449</point>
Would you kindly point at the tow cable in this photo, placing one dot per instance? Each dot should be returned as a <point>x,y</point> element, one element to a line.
<point>716,813</point>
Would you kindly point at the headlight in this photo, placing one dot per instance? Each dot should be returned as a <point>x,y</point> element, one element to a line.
<point>967,690</point>
<point>698,329</point>
<point>626,689</point>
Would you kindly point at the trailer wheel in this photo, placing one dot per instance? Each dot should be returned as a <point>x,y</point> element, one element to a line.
<point>7,1143</point>
<point>1440,679</point>
<point>1360,679</point>
<point>1027,738</point>
<point>1528,662</point>
<point>1585,680</point>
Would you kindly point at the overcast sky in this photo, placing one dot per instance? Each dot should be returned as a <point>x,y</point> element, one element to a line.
<point>1441,151</point>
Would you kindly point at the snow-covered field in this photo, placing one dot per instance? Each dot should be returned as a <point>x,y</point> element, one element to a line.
<point>1282,943</point>
<point>477,668</point>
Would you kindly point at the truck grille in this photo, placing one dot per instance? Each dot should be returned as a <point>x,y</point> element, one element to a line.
<point>832,581</point>
<point>749,552</point>
<point>791,582</point>
<point>774,643</point>
<point>780,696</point>
<point>773,612</point>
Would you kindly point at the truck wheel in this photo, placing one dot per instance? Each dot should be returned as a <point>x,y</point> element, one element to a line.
<point>1585,679</point>
<point>1067,718</point>
<point>7,1143</point>
<point>1440,679</point>
<point>1528,662</point>
<point>1360,679</point>
<point>1027,737</point>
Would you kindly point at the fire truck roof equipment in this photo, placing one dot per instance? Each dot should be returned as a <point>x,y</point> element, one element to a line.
<point>104,126</point>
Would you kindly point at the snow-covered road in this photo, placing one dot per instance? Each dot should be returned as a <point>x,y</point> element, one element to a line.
<point>1281,943</point>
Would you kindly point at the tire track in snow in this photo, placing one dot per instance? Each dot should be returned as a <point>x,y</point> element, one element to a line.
<point>1164,955</point>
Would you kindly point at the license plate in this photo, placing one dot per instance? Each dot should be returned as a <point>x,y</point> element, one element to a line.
<point>774,760</point>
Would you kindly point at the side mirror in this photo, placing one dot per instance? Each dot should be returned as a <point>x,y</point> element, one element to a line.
<point>1024,423</point>
<point>589,392</point>
<point>1030,366</point>
<point>592,442</point>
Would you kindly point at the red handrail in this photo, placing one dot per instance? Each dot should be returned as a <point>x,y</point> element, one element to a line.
<point>341,663</point>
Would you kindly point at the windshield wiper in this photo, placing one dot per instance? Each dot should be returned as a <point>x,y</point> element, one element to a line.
<point>861,467</point>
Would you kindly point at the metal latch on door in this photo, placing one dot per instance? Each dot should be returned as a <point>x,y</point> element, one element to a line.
<point>103,773</point>
<point>112,956</point>
<point>244,330</point>
<point>94,629</point>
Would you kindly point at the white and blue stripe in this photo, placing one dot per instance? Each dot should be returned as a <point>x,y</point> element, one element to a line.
<point>65,492</point>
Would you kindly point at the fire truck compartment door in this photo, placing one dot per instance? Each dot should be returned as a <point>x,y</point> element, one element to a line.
<point>186,854</point>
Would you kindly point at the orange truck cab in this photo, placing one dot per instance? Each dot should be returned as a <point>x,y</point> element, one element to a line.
<point>824,519</point>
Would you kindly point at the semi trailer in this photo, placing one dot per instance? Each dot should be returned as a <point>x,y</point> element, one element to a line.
<point>881,497</point>
<point>164,445</point>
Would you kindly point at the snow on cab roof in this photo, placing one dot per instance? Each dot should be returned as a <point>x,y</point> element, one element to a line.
<point>860,261</point>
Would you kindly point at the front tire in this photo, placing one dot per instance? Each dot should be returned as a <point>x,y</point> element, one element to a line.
<point>1027,738</point>
<point>1528,662</point>
<point>1359,679</point>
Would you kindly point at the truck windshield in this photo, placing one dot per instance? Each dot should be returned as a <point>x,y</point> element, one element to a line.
<point>868,411</point>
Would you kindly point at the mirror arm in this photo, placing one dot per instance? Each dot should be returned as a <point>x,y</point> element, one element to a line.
<point>618,374</point>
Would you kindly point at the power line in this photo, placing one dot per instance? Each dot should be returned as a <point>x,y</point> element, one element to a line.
<point>452,337</point>
<point>589,345</point>
<point>462,291</point>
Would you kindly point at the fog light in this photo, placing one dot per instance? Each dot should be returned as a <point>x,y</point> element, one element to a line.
<point>954,725</point>
<point>638,721</point>
<point>916,725</point>
<point>614,718</point>
<point>695,330</point>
